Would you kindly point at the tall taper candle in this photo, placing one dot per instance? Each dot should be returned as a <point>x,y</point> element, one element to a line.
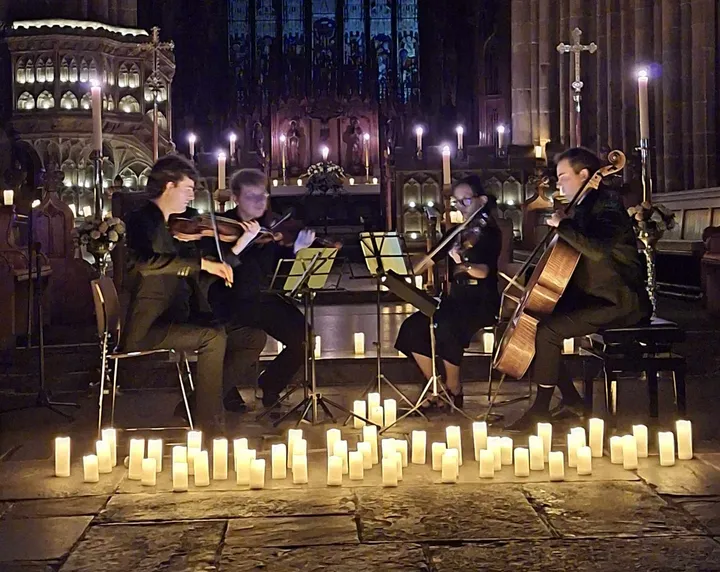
<point>221,159</point>
<point>642,79</point>
<point>447,178</point>
<point>460,130</point>
<point>96,95</point>
<point>419,138</point>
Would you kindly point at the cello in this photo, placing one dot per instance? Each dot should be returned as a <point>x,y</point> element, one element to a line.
<point>545,287</point>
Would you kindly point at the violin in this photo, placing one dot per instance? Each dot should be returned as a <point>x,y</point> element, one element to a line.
<point>470,235</point>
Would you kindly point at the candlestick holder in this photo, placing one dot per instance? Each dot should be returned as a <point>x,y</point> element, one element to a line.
<point>96,158</point>
<point>221,196</point>
<point>645,169</point>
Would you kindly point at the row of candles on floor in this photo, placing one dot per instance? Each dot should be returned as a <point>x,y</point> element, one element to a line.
<point>491,453</point>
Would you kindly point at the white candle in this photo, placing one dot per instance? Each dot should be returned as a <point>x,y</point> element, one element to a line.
<point>573,444</point>
<point>449,468</point>
<point>341,450</point>
<point>389,472</point>
<point>495,446</point>
<point>522,462</point>
<point>334,471</point>
<point>357,465</point>
<point>584,461</point>
<point>283,143</point>
<point>238,445</point>
<point>8,198</point>
<point>388,448</point>
<point>545,432</point>
<point>366,450</point>
<point>401,446</point>
<point>202,469</point>
<point>194,440</point>
<point>419,447</point>
<point>447,179</point>
<point>418,138</point>
<point>666,447</point>
<point>96,98</point>
<point>640,432</point>
<point>102,450</point>
<point>506,448</point>
<point>149,472</point>
<point>300,470</point>
<point>556,466</point>
<point>155,451</point>
<point>318,347</point>
<point>191,143</point>
<point>597,436</point>
<point>537,454</point>
<point>369,433</point>
<point>360,409</point>
<point>300,448</point>
<point>684,440</point>
<point>501,136</point>
<point>91,474</point>
<point>366,144</point>
<point>221,159</point>
<point>437,452</point>
<point>630,456</point>
<point>110,437</point>
<point>454,441</point>
<point>179,454</point>
<point>233,139</point>
<point>137,454</point>
<point>359,343</point>
<point>376,415</point>
<point>279,461</point>
<point>398,460</point>
<point>580,432</point>
<point>191,454</point>
<point>479,437</point>
<point>390,412</point>
<point>460,132</point>
<point>487,464</point>
<point>643,104</point>
<point>62,456</point>
<point>257,474</point>
<point>242,466</point>
<point>488,340</point>
<point>220,459</point>
<point>294,435</point>
<point>569,346</point>
<point>616,450</point>
<point>373,400</point>
<point>418,282</point>
<point>331,437</point>
<point>180,477</point>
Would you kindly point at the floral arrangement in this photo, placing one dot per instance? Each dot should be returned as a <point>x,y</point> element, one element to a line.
<point>99,235</point>
<point>652,219</point>
<point>324,178</point>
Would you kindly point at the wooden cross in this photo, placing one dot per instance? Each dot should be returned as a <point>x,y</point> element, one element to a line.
<point>576,48</point>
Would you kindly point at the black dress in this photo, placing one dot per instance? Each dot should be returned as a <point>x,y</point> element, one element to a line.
<point>472,304</point>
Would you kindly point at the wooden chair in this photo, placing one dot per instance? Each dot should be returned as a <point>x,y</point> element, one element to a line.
<point>107,311</point>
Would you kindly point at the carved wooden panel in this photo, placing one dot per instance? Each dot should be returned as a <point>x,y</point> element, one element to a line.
<point>715,217</point>
<point>695,221</point>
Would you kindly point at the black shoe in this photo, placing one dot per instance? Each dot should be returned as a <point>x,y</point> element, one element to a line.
<point>458,399</point>
<point>564,410</point>
<point>234,402</point>
<point>528,421</point>
<point>270,398</point>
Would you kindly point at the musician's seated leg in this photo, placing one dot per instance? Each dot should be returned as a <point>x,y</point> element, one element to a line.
<point>244,346</point>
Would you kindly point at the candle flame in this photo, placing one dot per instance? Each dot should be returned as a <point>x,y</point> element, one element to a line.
<point>501,129</point>
<point>192,138</point>
<point>418,130</point>
<point>221,156</point>
<point>283,138</point>
<point>366,136</point>
<point>460,130</point>
<point>446,151</point>
<point>233,137</point>
<point>643,73</point>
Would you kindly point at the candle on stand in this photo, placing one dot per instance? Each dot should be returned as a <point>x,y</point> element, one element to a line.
<point>325,152</point>
<point>96,96</point>
<point>419,138</point>
<point>373,400</point>
<point>390,412</point>
<point>449,468</point>
<point>359,343</point>
<point>437,450</point>
<point>191,143</point>
<point>573,444</point>
<point>419,447</point>
<point>179,454</point>
<point>569,346</point>
<point>360,409</point>
<point>8,198</point>
<point>257,474</point>
<point>398,460</point>
<point>537,454</point>
<point>584,461</point>
<point>279,461</point>
<point>233,138</point>
<point>488,340</point>
<point>506,448</point>
<point>242,466</point>
<point>642,78</point>
<point>495,446</point>
<point>149,472</point>
<point>357,465</point>
<point>376,415</point>
<point>194,440</point>
<point>221,159</point>
<point>666,448</point>
<point>447,178</point>
<point>389,472</point>
<point>91,474</point>
<point>479,437</point>
<point>155,451</point>
<point>341,450</point>
<point>556,466</point>
<point>580,432</point>
<point>401,446</point>
<point>366,145</point>
<point>597,436</point>
<point>102,450</point>
<point>318,347</point>
<point>110,437</point>
<point>137,454</point>
<point>487,464</point>
<point>180,477</point>
<point>630,456</point>
<point>294,435</point>
<point>545,432</point>
<point>370,436</point>
<point>334,471</point>
<point>300,469</point>
<point>331,437</point>
<point>616,450</point>
<point>239,445</point>
<point>460,130</point>
<point>283,151</point>
<point>220,459</point>
<point>454,441</point>
<point>684,440</point>
<point>202,469</point>
<point>501,136</point>
<point>522,462</point>
<point>366,450</point>
<point>640,432</point>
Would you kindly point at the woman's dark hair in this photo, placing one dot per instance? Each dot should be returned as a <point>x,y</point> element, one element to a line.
<point>476,186</point>
<point>169,169</point>
<point>580,158</point>
<point>247,178</point>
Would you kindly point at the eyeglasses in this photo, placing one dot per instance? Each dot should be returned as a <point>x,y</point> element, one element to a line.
<point>257,198</point>
<point>465,202</point>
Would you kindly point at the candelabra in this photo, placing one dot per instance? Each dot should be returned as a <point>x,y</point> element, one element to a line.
<point>96,158</point>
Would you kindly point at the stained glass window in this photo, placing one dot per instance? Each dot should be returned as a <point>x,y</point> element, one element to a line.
<point>293,30</point>
<point>239,47</point>
<point>408,51</point>
<point>354,50</point>
<point>324,30</point>
<point>265,34</point>
<point>381,38</point>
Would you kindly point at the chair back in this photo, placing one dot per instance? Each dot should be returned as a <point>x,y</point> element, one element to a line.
<point>107,308</point>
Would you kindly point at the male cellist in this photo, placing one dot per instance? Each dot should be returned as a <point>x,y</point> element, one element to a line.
<point>607,288</point>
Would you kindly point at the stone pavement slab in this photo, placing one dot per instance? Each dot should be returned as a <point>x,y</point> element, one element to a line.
<point>390,557</point>
<point>40,538</point>
<point>40,508</point>
<point>685,478</point>
<point>236,504</point>
<point>452,513</point>
<point>28,567</point>
<point>291,531</point>
<point>148,548</point>
<point>613,555</point>
<point>707,512</point>
<point>608,509</point>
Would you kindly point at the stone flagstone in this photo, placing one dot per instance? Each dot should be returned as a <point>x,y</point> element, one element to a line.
<point>74,506</point>
<point>706,512</point>
<point>291,531</point>
<point>40,538</point>
<point>685,478</point>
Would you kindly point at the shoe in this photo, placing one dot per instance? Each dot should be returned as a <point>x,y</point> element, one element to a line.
<point>568,411</point>
<point>458,399</point>
<point>234,402</point>
<point>528,421</point>
<point>270,398</point>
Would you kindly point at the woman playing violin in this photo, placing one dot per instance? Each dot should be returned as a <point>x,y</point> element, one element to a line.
<point>473,301</point>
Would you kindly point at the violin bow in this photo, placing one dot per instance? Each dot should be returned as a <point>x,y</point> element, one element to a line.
<point>216,234</point>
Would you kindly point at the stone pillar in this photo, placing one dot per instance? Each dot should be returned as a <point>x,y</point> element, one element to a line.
<point>629,83</point>
<point>99,11</point>
<point>601,77</point>
<point>686,95</point>
<point>657,111</point>
<point>547,32</point>
<point>127,13</point>
<point>704,87</point>
<point>563,66</point>
<point>615,70</point>
<point>671,82</point>
<point>520,74</point>
<point>574,21</point>
<point>534,74</point>
<point>113,12</point>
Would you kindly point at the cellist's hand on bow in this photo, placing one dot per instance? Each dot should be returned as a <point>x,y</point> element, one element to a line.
<point>557,217</point>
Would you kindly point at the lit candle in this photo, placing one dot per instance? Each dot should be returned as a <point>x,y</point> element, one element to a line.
<point>419,447</point>
<point>194,440</point>
<point>538,151</point>
<point>390,412</point>
<point>573,444</point>
<point>630,456</point>
<point>449,467</point>
<point>487,464</point>
<point>294,435</point>
<point>96,96</point>
<point>640,432</point>
<point>8,198</point>
<point>149,472</point>
<point>373,400</point>
<point>110,437</point>
<point>418,138</point>
<point>495,446</point>
<point>137,454</point>
<point>299,182</point>
<point>179,454</point>
<point>242,466</point>
<point>340,449</point>
<point>545,432</point>
<point>501,136</point>
<point>643,79</point>
<point>155,451</point>
<point>279,461</point>
<point>334,471</point>
<point>91,474</point>
<point>584,461</point>
<point>375,181</point>
<point>418,282</point>
<point>376,416</point>
<point>597,436</point>
<point>102,450</point>
<point>506,448</point>
<point>180,477</point>
<point>359,409</point>
<point>366,144</point>
<point>233,138</point>
<point>257,474</point>
<point>191,453</point>
<point>369,433</point>
<point>87,211</point>
<point>684,440</point>
<point>398,460</point>
<point>454,441</point>
<point>446,165</point>
<point>437,452</point>
<point>522,462</point>
<point>191,142</point>
<point>300,470</point>
<point>283,151</point>
<point>388,448</point>
<point>238,445</point>
<point>220,459</point>
<point>389,472</point>
<point>324,151</point>
<point>276,183</point>
<point>331,437</point>
<point>537,454</point>
<point>221,159</point>
<point>488,340</point>
<point>300,448</point>
<point>318,347</point>
<point>479,437</point>
<point>202,469</point>
<point>359,343</point>
<point>666,447</point>
<point>351,180</point>
<point>616,450</point>
<point>366,450</point>
<point>569,346</point>
<point>460,132</point>
<point>401,446</point>
<point>357,465</point>
<point>580,432</point>
<point>556,466</point>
